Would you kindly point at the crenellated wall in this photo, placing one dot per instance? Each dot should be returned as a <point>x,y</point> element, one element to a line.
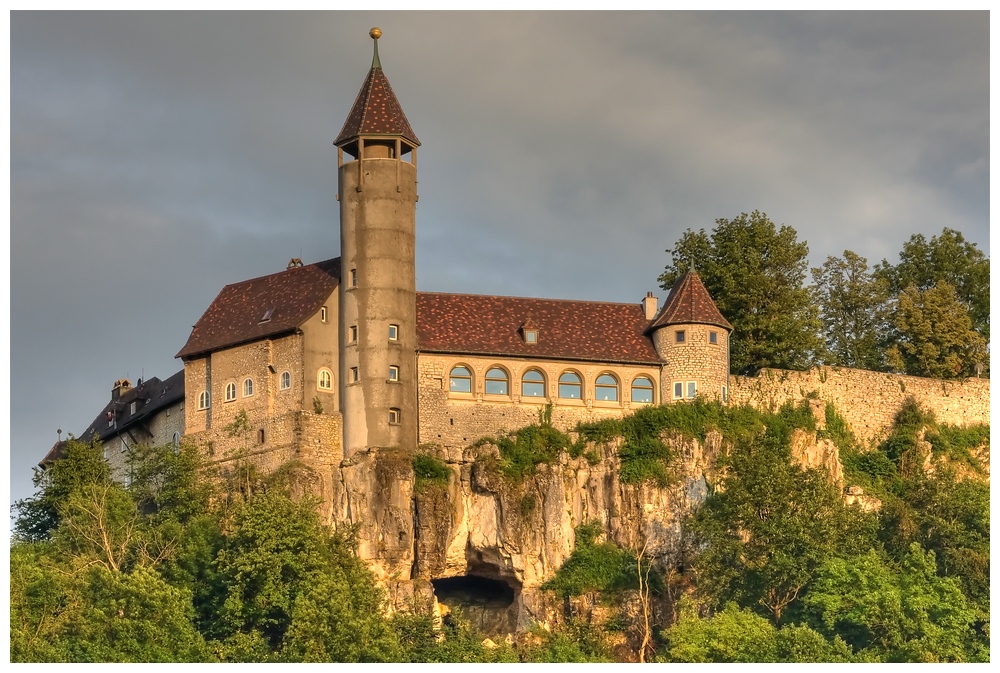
<point>867,400</point>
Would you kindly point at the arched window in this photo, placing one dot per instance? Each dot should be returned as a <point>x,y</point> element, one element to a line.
<point>642,390</point>
<point>533,384</point>
<point>460,380</point>
<point>570,386</point>
<point>248,388</point>
<point>203,399</point>
<point>497,382</point>
<point>230,392</point>
<point>286,380</point>
<point>325,380</point>
<point>606,388</point>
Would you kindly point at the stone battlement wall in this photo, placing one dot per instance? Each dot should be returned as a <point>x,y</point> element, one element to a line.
<point>867,400</point>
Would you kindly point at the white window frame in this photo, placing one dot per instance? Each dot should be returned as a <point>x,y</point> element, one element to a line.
<point>393,332</point>
<point>248,387</point>
<point>394,373</point>
<point>395,416</point>
<point>204,400</point>
<point>231,392</point>
<point>691,390</point>
<point>324,376</point>
<point>286,380</point>
<point>322,314</point>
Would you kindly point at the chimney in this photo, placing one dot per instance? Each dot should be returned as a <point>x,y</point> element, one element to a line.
<point>649,306</point>
<point>121,387</point>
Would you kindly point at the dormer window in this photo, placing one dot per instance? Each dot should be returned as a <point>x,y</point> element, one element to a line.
<point>530,336</point>
<point>267,315</point>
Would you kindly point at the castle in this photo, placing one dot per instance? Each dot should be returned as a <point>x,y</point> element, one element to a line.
<point>320,362</point>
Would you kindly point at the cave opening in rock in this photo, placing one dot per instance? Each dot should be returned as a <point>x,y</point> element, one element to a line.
<point>474,591</point>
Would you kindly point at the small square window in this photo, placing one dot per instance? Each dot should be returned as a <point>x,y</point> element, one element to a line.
<point>531,336</point>
<point>713,337</point>
<point>678,390</point>
<point>692,389</point>
<point>679,336</point>
<point>355,377</point>
<point>354,277</point>
<point>394,417</point>
<point>393,332</point>
<point>353,336</point>
<point>393,373</point>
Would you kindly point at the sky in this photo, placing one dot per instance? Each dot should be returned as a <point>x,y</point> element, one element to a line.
<point>156,157</point>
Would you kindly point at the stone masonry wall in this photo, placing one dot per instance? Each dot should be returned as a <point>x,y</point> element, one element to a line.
<point>454,420</point>
<point>867,400</point>
<point>695,359</point>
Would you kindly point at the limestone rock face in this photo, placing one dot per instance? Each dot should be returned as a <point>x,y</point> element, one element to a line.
<point>489,526</point>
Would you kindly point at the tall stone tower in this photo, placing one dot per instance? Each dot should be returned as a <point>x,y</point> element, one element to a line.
<point>378,197</point>
<point>692,338</point>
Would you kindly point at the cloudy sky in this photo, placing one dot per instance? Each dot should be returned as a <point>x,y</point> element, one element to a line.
<point>157,157</point>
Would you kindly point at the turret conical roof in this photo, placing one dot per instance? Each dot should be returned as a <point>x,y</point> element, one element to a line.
<point>376,111</point>
<point>689,302</point>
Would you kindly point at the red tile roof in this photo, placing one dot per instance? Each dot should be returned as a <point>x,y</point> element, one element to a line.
<point>237,314</point>
<point>689,302</point>
<point>574,330</point>
<point>376,112</point>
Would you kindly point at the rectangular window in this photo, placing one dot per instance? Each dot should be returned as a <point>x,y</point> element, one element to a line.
<point>354,277</point>
<point>393,373</point>
<point>132,408</point>
<point>393,332</point>
<point>692,389</point>
<point>353,337</point>
<point>678,390</point>
<point>713,337</point>
<point>355,377</point>
<point>260,436</point>
<point>679,336</point>
<point>725,393</point>
<point>394,417</point>
<point>322,314</point>
<point>531,336</point>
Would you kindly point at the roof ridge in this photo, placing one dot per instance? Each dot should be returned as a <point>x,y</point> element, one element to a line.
<point>511,296</point>
<point>278,273</point>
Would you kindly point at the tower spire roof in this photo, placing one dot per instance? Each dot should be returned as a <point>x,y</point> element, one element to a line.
<point>689,302</point>
<point>376,111</point>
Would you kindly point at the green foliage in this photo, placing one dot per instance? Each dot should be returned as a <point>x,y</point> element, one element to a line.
<point>532,445</point>
<point>736,635</point>
<point>527,505</point>
<point>769,527</point>
<point>934,335</point>
<point>894,614</point>
<point>455,642</point>
<point>853,306</point>
<point>946,258</point>
<point>755,273</point>
<point>429,473</point>
<point>82,465</point>
<point>317,405</point>
<point>578,642</point>
<point>957,443</point>
<point>594,566</point>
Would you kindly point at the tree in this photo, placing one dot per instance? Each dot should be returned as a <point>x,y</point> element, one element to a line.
<point>768,529</point>
<point>755,273</point>
<point>948,258</point>
<point>853,307</point>
<point>740,636</point>
<point>934,335</point>
<point>81,465</point>
<point>904,613</point>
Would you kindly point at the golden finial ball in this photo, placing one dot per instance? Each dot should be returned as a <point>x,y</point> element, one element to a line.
<point>375,33</point>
